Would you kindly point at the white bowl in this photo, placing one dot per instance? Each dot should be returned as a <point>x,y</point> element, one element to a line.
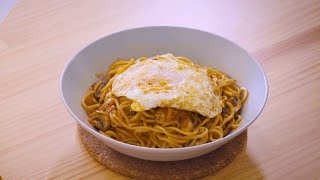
<point>202,47</point>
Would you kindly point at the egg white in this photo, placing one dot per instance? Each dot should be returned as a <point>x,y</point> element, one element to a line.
<point>168,82</point>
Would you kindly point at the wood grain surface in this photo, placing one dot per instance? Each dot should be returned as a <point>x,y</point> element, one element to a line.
<point>39,139</point>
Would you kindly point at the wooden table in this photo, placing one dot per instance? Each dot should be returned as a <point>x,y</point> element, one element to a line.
<point>39,139</point>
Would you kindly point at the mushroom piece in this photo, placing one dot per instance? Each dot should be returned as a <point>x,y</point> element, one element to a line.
<point>102,122</point>
<point>236,103</point>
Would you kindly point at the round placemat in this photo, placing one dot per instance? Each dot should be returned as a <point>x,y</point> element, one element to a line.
<point>142,169</point>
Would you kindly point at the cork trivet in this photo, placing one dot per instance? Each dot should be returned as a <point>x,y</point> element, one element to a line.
<point>142,169</point>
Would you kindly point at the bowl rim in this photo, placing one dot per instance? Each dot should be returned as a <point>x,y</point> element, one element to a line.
<point>148,149</point>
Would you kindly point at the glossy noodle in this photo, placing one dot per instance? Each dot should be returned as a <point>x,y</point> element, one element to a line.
<point>161,127</point>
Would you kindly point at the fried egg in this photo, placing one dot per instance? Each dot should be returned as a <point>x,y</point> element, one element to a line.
<point>168,82</point>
